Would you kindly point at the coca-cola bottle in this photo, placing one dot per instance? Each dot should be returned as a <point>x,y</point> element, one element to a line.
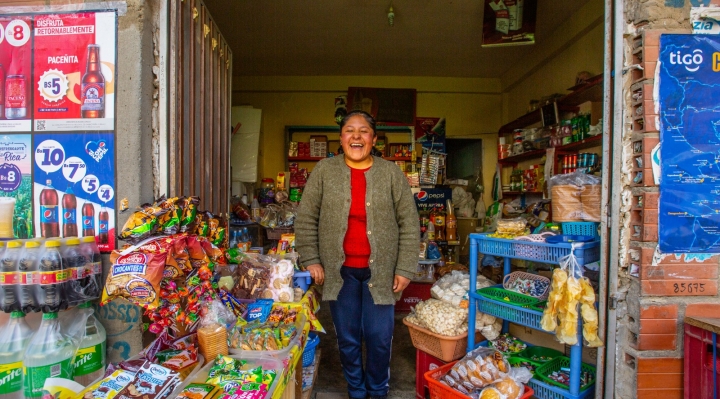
<point>49,226</point>
<point>103,222</point>
<point>88,220</point>
<point>69,204</point>
<point>92,88</point>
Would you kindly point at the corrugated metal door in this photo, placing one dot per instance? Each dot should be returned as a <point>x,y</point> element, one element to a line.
<point>200,77</point>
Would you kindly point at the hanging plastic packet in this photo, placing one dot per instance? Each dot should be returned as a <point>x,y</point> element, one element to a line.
<point>189,212</point>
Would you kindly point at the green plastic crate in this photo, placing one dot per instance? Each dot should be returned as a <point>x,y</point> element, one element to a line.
<point>555,365</point>
<point>540,306</point>
<point>531,351</point>
<point>509,297</point>
<point>516,360</point>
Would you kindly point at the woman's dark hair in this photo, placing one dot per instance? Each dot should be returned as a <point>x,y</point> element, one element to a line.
<point>368,118</point>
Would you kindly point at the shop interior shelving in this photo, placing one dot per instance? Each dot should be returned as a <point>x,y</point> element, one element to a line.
<point>538,252</point>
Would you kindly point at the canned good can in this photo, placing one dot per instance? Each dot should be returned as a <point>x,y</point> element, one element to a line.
<point>15,97</point>
<point>583,160</point>
<point>574,161</point>
<point>295,194</point>
<point>593,160</point>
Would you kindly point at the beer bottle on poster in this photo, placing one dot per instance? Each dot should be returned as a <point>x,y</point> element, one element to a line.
<point>15,97</point>
<point>103,222</point>
<point>2,92</point>
<point>49,226</point>
<point>88,220</point>
<point>92,88</point>
<point>69,204</point>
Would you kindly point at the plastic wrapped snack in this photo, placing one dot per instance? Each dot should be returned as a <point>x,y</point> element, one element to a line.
<point>453,287</point>
<point>442,318</point>
<point>575,197</point>
<point>510,228</point>
<point>479,368</point>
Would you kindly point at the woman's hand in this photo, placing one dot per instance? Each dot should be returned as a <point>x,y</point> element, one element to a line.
<point>317,273</point>
<point>400,283</point>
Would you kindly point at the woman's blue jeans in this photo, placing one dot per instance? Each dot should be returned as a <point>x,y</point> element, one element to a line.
<point>356,317</point>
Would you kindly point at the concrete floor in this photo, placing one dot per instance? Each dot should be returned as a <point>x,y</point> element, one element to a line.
<point>331,383</point>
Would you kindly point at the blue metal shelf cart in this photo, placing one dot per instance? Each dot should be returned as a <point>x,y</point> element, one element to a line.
<point>538,252</point>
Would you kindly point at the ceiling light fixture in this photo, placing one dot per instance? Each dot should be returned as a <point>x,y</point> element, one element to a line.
<point>391,16</point>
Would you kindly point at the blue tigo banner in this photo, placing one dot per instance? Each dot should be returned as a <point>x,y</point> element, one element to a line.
<point>689,93</point>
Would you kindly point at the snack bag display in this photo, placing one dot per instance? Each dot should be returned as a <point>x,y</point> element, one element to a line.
<point>151,381</point>
<point>200,391</point>
<point>136,277</point>
<point>140,225</point>
<point>109,386</point>
<point>189,213</point>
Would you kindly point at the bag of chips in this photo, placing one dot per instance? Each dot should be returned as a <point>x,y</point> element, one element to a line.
<point>136,277</point>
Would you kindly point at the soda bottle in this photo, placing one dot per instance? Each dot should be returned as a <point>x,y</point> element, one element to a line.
<point>255,210</point>
<point>90,275</point>
<point>88,220</point>
<point>29,277</point>
<point>73,262</point>
<point>9,279</point>
<point>49,293</point>
<point>49,226</point>
<point>450,223</point>
<point>92,87</point>
<point>90,358</point>
<point>103,221</point>
<point>14,338</point>
<point>233,239</point>
<point>69,204</point>
<point>49,354</point>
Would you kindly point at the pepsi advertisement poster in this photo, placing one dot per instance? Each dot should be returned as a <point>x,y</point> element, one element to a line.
<point>74,186</point>
<point>16,200</point>
<point>429,198</point>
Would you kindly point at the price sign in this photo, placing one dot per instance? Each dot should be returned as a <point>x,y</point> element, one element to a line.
<point>53,85</point>
<point>49,156</point>
<point>17,32</point>
<point>106,193</point>
<point>10,177</point>
<point>74,169</point>
<point>90,184</point>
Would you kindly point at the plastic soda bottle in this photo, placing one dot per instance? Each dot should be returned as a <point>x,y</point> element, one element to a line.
<point>29,277</point>
<point>49,354</point>
<point>90,273</point>
<point>90,358</point>
<point>49,293</point>
<point>49,224</point>
<point>14,338</point>
<point>9,277</point>
<point>255,210</point>
<point>72,262</point>
<point>69,213</point>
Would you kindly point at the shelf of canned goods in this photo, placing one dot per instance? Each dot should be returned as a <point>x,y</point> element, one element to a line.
<point>538,252</point>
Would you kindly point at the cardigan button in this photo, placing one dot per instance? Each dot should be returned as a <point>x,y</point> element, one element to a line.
<point>368,204</point>
<point>369,232</point>
<point>369,285</point>
<point>371,261</point>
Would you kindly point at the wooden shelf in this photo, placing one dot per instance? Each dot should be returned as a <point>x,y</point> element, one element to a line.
<point>525,156</point>
<point>521,192</point>
<point>589,142</point>
<point>590,91</point>
<point>407,159</point>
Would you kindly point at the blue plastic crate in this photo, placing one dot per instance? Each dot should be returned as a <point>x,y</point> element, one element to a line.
<point>547,391</point>
<point>536,251</point>
<point>302,280</point>
<point>308,356</point>
<point>515,314</point>
<point>581,228</point>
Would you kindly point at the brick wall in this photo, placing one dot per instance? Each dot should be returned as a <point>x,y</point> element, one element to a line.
<point>661,290</point>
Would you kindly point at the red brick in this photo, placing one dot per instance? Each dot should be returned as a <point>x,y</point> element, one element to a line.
<point>669,287</point>
<point>658,326</point>
<point>659,365</point>
<point>648,71</point>
<point>660,394</point>
<point>650,53</point>
<point>656,342</point>
<point>646,233</point>
<point>703,310</point>
<point>650,200</point>
<point>651,37</point>
<point>659,312</point>
<point>679,259</point>
<point>645,255</point>
<point>645,381</point>
<point>679,272</point>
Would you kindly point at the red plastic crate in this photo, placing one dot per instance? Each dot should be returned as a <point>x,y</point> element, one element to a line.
<point>412,295</point>
<point>424,363</point>
<point>439,390</point>
<point>698,363</point>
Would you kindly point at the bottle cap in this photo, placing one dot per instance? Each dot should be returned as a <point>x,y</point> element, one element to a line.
<point>72,241</point>
<point>13,244</point>
<point>32,244</point>
<point>85,305</point>
<point>88,239</point>
<point>50,316</point>
<point>52,244</point>
<point>17,314</point>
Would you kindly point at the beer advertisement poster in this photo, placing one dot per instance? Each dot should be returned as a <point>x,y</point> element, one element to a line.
<point>15,73</point>
<point>74,186</point>
<point>509,22</point>
<point>430,133</point>
<point>74,66</point>
<point>16,202</point>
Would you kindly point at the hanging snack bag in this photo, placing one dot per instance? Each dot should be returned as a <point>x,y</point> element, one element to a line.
<point>139,226</point>
<point>136,277</point>
<point>169,221</point>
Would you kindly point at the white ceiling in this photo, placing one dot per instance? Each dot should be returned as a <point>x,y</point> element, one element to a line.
<point>353,37</point>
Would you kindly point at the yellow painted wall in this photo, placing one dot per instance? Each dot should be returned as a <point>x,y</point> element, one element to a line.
<point>473,108</point>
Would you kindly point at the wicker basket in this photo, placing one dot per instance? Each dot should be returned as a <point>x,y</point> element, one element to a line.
<point>442,347</point>
<point>510,278</point>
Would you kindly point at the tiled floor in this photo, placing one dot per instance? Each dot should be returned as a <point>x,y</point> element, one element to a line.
<point>330,382</point>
